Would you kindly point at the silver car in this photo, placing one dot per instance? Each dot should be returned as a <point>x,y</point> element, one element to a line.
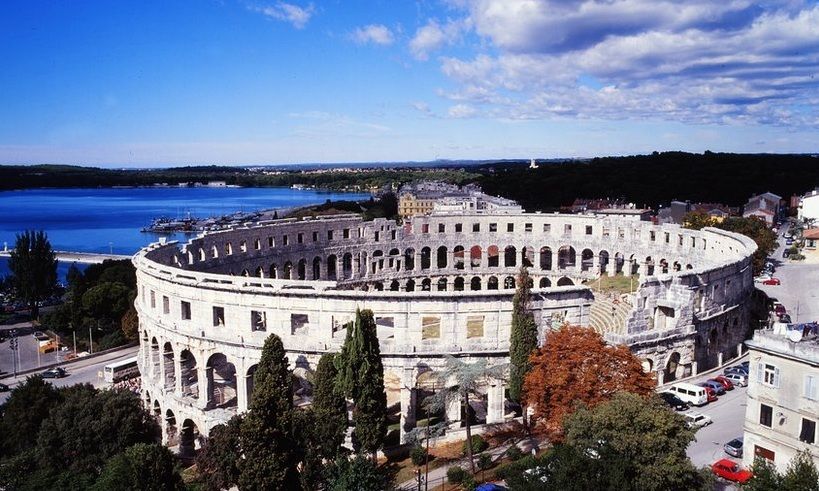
<point>737,379</point>
<point>696,420</point>
<point>734,447</point>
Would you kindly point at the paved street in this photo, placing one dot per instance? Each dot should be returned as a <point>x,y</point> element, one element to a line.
<point>28,354</point>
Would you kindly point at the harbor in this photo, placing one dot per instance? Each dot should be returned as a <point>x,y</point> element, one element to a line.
<point>79,257</point>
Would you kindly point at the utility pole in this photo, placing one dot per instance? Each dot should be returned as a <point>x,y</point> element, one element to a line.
<point>13,348</point>
<point>90,341</point>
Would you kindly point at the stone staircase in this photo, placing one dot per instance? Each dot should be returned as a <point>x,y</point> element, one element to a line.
<point>609,314</point>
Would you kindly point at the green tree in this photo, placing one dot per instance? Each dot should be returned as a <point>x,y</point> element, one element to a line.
<point>271,451</point>
<point>33,266</point>
<point>329,408</point>
<point>696,220</point>
<point>141,467</point>
<point>89,426</point>
<point>757,230</point>
<point>766,477</point>
<point>361,375</point>
<point>358,473</point>
<point>23,414</point>
<point>635,443</point>
<point>218,461</point>
<point>461,381</point>
<point>523,337</point>
<point>107,301</point>
<point>801,474</point>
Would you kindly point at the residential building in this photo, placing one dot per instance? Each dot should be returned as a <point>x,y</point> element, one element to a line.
<point>429,197</point>
<point>765,206</point>
<point>809,206</point>
<point>783,394</point>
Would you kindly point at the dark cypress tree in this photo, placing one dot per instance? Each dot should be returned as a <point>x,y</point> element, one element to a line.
<point>523,336</point>
<point>329,407</point>
<point>271,451</point>
<point>33,267</point>
<point>362,378</point>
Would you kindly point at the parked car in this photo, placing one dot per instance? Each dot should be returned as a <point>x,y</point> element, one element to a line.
<point>738,369</point>
<point>56,372</point>
<point>674,402</point>
<point>710,394</point>
<point>734,447</point>
<point>737,379</point>
<point>727,384</point>
<point>730,470</point>
<point>4,388</point>
<point>746,365</point>
<point>785,318</point>
<point>762,278</point>
<point>789,242</point>
<point>786,253</point>
<point>715,386</point>
<point>772,281</point>
<point>697,420</point>
<point>779,309</point>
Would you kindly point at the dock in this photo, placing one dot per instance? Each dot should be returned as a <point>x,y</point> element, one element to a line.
<point>79,257</point>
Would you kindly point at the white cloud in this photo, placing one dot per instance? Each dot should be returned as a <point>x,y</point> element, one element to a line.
<point>434,36</point>
<point>421,107</point>
<point>461,111</point>
<point>373,33</point>
<point>297,16</point>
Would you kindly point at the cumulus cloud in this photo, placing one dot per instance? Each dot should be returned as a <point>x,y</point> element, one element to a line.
<point>694,61</point>
<point>461,111</point>
<point>373,33</point>
<point>297,16</point>
<point>434,35</point>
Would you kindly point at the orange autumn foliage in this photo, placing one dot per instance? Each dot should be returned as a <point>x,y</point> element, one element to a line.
<point>575,365</point>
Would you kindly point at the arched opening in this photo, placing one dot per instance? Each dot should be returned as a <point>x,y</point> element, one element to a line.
<point>332,264</point>
<point>634,265</point>
<point>301,269</point>
<point>475,258</point>
<point>394,259</point>
<point>545,258</point>
<point>250,379</point>
<point>475,284</point>
<point>395,286</point>
<point>260,272</point>
<point>245,273</point>
<point>426,253</point>
<point>649,266</point>
<point>222,382</point>
<point>378,261</point>
<point>155,358</point>
<point>409,259</point>
<point>274,271</point>
<point>672,367</point>
<point>663,266</point>
<point>458,256</point>
<point>442,285</point>
<point>188,374</point>
<point>201,254</point>
<point>316,268</point>
<point>287,271</point>
<point>545,283</point>
<point>493,256</point>
<point>492,283</point>
<point>510,255</point>
<point>214,251</point>
<point>171,431</point>
<point>168,362</point>
<point>509,283</point>
<point>426,285</point>
<point>603,258</point>
<point>379,286</point>
<point>677,266</point>
<point>566,257</point>
<point>347,266</point>
<point>648,365</point>
<point>458,284</point>
<point>564,281</point>
<point>619,262</point>
<point>527,257</point>
<point>586,260</point>
<point>688,266</point>
<point>157,412</point>
<point>441,257</point>
<point>189,440</point>
<point>228,248</point>
<point>410,285</point>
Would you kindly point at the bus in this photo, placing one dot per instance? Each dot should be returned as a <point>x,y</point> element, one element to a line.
<point>121,370</point>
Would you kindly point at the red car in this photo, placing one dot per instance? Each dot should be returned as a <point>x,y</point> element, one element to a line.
<point>724,381</point>
<point>730,470</point>
<point>772,281</point>
<point>712,396</point>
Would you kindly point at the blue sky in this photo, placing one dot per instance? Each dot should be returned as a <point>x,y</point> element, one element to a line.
<point>242,82</point>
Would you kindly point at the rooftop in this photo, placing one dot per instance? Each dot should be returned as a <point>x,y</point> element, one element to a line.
<point>796,341</point>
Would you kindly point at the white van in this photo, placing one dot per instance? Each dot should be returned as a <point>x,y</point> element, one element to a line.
<point>690,393</point>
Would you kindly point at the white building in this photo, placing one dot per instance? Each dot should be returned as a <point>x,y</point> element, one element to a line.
<point>765,206</point>
<point>809,206</point>
<point>783,395</point>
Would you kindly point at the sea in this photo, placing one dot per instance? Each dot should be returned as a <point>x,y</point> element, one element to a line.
<point>109,220</point>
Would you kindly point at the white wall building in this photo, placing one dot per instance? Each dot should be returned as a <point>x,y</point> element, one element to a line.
<point>809,206</point>
<point>783,396</point>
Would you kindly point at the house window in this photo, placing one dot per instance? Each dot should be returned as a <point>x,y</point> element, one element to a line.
<point>441,228</point>
<point>459,227</point>
<point>765,415</point>
<point>510,227</point>
<point>768,375</point>
<point>476,227</point>
<point>808,433</point>
<point>493,227</point>
<point>764,453</point>
<point>185,310</point>
<point>589,230</point>
<point>811,387</point>
<point>258,320</point>
<point>527,227</point>
<point>218,316</point>
<point>166,305</point>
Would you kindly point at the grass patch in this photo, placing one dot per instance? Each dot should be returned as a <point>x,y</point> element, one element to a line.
<point>615,284</point>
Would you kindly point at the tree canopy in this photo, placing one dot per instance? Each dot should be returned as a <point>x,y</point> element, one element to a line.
<point>141,467</point>
<point>523,337</point>
<point>752,227</point>
<point>23,414</point>
<point>33,266</point>
<point>575,365</point>
<point>801,475</point>
<point>329,408</point>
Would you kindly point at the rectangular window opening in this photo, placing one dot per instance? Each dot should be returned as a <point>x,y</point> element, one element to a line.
<point>258,321</point>
<point>185,310</point>
<point>430,327</point>
<point>218,316</point>
<point>474,326</point>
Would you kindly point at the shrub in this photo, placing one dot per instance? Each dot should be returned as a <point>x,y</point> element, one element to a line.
<point>478,445</point>
<point>469,484</point>
<point>455,474</point>
<point>514,453</point>
<point>418,455</point>
<point>797,257</point>
<point>484,461</point>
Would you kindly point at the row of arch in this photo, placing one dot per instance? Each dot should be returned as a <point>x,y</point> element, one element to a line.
<point>186,436</point>
<point>460,283</point>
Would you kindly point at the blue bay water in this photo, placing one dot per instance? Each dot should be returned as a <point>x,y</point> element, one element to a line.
<point>109,219</point>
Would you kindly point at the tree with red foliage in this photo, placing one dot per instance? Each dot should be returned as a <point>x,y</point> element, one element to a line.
<point>575,365</point>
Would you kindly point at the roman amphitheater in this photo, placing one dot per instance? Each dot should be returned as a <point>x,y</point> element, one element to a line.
<point>438,284</point>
